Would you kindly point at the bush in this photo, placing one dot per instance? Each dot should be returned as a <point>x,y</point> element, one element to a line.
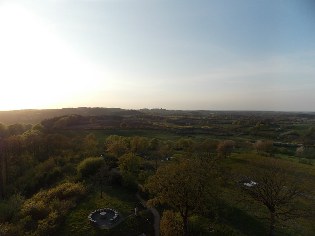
<point>90,166</point>
<point>305,161</point>
<point>67,191</point>
<point>47,225</point>
<point>7,229</point>
<point>37,210</point>
<point>110,160</point>
<point>10,208</point>
<point>41,214</point>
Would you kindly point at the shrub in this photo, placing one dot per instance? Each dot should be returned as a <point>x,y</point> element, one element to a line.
<point>67,191</point>
<point>7,229</point>
<point>37,210</point>
<point>10,208</point>
<point>90,166</point>
<point>305,161</point>
<point>41,214</point>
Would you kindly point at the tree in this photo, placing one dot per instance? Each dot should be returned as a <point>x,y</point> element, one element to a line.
<point>272,187</point>
<point>129,167</point>
<point>56,143</point>
<point>264,146</point>
<point>186,144</point>
<point>170,224</point>
<point>225,148</point>
<point>139,145</point>
<point>165,150</point>
<point>15,129</point>
<point>185,187</point>
<point>3,131</point>
<point>207,146</point>
<point>90,144</point>
<point>154,147</point>
<point>90,166</point>
<point>3,168</point>
<point>116,145</point>
<point>309,137</point>
<point>300,151</point>
<point>102,177</point>
<point>33,140</point>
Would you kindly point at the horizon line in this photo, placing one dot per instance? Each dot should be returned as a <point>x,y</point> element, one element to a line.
<point>159,108</point>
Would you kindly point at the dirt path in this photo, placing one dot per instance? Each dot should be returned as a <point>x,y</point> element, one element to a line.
<point>155,213</point>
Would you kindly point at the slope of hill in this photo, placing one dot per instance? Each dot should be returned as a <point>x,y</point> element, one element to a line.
<point>36,116</point>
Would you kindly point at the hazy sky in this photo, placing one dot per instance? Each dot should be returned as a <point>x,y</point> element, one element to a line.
<point>197,54</point>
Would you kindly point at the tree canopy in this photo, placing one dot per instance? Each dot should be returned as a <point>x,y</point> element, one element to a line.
<point>185,187</point>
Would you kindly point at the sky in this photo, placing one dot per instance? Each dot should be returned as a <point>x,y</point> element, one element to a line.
<point>173,54</point>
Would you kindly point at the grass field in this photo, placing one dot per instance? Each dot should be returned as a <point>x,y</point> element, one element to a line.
<point>235,217</point>
<point>77,223</point>
<point>245,217</point>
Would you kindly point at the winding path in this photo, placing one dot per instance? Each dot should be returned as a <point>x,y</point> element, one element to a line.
<point>155,213</point>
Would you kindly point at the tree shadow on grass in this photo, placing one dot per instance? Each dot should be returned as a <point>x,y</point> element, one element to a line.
<point>241,221</point>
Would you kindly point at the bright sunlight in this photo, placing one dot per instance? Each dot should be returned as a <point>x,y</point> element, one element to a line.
<point>37,65</point>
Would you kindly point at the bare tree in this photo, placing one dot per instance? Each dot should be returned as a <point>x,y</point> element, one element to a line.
<point>265,146</point>
<point>273,187</point>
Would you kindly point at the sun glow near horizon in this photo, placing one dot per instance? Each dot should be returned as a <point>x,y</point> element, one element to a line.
<point>37,68</point>
<point>131,54</point>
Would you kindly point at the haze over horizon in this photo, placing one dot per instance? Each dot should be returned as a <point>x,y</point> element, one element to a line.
<point>189,55</point>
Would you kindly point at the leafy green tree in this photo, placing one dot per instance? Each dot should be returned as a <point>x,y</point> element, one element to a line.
<point>110,160</point>
<point>16,129</point>
<point>170,224</point>
<point>117,145</point>
<point>154,144</point>
<point>155,147</point>
<point>185,144</point>
<point>129,167</point>
<point>186,187</point>
<point>90,144</point>
<point>33,140</point>
<point>90,166</point>
<point>165,150</point>
<point>130,163</point>
<point>55,144</point>
<point>3,177</point>
<point>139,145</point>
<point>3,131</point>
<point>103,177</point>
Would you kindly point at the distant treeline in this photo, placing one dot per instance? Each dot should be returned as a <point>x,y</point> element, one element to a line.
<point>34,116</point>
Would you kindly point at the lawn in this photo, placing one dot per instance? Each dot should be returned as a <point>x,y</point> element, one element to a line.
<point>76,222</point>
<point>244,216</point>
